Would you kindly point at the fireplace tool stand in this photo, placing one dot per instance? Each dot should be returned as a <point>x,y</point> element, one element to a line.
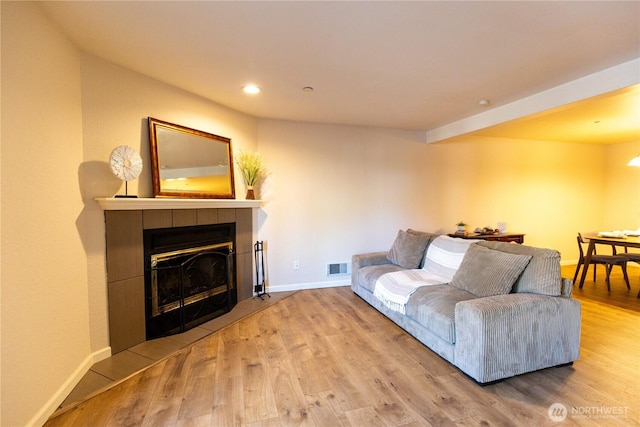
<point>260,288</point>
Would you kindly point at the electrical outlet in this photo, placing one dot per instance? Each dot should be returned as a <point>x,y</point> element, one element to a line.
<point>296,264</point>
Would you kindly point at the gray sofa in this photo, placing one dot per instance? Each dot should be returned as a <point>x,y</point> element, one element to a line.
<point>493,309</point>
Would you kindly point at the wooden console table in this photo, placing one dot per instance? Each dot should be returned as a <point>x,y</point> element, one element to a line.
<point>502,237</point>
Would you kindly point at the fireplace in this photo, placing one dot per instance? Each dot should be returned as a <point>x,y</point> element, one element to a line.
<point>127,265</point>
<point>189,276</point>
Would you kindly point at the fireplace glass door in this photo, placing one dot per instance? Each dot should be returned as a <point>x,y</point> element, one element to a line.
<point>188,287</point>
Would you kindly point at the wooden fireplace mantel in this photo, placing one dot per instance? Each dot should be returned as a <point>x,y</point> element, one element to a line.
<point>149,203</point>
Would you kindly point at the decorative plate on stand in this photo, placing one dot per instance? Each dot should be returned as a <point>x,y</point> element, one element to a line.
<point>126,164</point>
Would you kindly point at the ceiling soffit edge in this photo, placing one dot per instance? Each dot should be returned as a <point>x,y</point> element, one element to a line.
<point>608,80</point>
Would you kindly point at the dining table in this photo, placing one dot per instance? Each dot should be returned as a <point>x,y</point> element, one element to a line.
<point>595,239</point>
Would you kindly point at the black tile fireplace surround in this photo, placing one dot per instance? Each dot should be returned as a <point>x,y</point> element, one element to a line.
<point>189,276</point>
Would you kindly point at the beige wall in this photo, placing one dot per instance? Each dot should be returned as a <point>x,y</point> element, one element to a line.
<point>536,187</point>
<point>622,196</point>
<point>45,317</point>
<point>332,191</point>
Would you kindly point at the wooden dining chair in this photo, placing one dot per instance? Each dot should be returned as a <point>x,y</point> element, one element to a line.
<point>632,256</point>
<point>607,260</point>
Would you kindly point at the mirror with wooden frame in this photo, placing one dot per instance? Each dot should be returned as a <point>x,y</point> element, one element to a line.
<point>190,163</point>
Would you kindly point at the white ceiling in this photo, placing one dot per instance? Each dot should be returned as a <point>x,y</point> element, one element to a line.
<point>407,65</point>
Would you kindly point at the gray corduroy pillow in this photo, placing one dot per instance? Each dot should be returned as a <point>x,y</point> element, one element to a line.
<point>542,275</point>
<point>407,250</point>
<point>485,272</point>
<point>429,236</point>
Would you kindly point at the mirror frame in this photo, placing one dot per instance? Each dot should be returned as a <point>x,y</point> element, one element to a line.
<point>158,191</point>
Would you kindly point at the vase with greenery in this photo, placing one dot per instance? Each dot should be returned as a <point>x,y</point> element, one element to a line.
<point>462,227</point>
<point>252,170</point>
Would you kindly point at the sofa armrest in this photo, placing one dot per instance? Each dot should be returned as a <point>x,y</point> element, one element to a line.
<point>566,289</point>
<point>505,335</point>
<point>363,260</point>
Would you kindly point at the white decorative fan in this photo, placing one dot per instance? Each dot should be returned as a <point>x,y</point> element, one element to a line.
<point>126,164</point>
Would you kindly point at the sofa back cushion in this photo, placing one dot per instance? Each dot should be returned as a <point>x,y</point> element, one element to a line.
<point>486,272</point>
<point>407,250</point>
<point>426,235</point>
<point>542,274</point>
<point>445,254</point>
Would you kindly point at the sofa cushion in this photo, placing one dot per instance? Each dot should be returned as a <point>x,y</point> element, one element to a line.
<point>542,275</point>
<point>408,249</point>
<point>367,277</point>
<point>485,272</point>
<point>445,254</point>
<point>428,236</point>
<point>434,308</point>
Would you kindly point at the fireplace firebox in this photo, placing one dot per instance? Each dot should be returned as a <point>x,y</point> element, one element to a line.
<point>189,277</point>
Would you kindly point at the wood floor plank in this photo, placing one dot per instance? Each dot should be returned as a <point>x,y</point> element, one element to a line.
<point>366,416</point>
<point>324,412</point>
<point>198,398</point>
<point>477,399</point>
<point>289,397</point>
<point>174,375</point>
<point>258,395</point>
<point>345,390</point>
<point>229,362</point>
<point>228,407</point>
<point>423,396</point>
<point>201,421</point>
<point>311,376</point>
<point>364,379</point>
<point>162,412</point>
<point>134,402</point>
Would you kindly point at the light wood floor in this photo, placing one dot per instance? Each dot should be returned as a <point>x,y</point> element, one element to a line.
<point>116,368</point>
<point>325,358</point>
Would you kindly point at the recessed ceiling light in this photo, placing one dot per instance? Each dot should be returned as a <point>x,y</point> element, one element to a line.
<point>307,89</point>
<point>484,102</point>
<point>252,89</point>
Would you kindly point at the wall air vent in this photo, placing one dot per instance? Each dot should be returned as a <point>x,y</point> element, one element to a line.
<point>338,269</point>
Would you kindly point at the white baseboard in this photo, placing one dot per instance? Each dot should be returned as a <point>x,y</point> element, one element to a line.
<point>309,285</point>
<point>54,402</point>
<point>100,355</point>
